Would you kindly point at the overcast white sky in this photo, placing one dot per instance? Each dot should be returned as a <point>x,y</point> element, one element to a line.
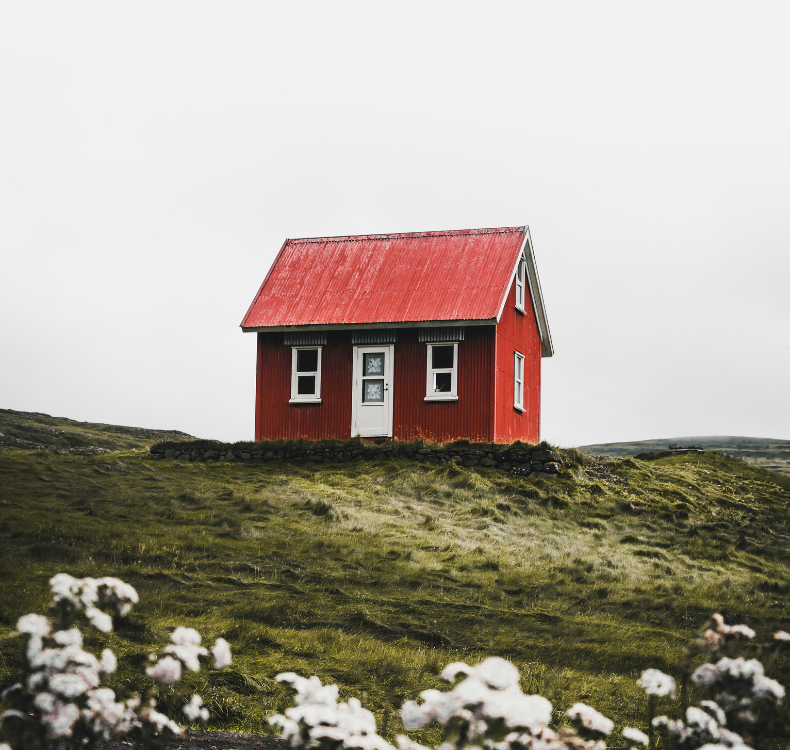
<point>155,155</point>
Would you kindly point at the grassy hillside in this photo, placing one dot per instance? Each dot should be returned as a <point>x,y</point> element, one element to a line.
<point>375,575</point>
<point>32,430</point>
<point>765,452</point>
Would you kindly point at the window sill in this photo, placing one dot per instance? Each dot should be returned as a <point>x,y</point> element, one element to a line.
<point>520,309</point>
<point>519,408</point>
<point>305,401</point>
<point>441,398</point>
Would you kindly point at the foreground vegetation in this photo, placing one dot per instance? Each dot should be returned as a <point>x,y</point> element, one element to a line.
<point>376,575</point>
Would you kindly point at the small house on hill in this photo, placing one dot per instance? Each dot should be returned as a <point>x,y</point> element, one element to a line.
<point>425,334</point>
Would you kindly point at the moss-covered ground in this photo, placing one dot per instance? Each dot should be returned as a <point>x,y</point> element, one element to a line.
<point>375,575</point>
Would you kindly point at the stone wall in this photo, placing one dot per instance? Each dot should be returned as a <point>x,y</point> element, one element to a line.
<point>517,458</point>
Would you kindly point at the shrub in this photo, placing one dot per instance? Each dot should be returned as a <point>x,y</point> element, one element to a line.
<point>62,695</point>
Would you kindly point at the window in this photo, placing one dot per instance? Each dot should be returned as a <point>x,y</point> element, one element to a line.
<point>442,372</point>
<point>306,374</point>
<point>521,284</point>
<point>518,382</point>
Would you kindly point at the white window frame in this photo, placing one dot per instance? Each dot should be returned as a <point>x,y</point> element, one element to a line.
<point>452,394</point>
<point>518,381</point>
<point>521,284</point>
<point>305,398</point>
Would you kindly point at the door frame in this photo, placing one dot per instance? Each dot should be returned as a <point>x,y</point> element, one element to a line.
<point>389,378</point>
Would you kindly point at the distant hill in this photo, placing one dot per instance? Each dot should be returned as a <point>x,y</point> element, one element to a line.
<point>765,452</point>
<point>35,431</point>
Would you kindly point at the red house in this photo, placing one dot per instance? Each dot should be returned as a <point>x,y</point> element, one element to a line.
<point>424,334</point>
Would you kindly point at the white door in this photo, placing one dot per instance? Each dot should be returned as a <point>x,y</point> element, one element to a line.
<point>371,400</point>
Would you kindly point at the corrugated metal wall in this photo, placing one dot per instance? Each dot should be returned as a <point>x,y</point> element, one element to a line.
<point>470,417</point>
<point>276,418</point>
<point>517,332</point>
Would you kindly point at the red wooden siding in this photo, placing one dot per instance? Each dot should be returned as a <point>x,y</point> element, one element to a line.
<point>276,418</point>
<point>517,332</point>
<point>470,417</point>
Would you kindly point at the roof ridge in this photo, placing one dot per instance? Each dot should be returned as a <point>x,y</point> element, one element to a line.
<point>395,235</point>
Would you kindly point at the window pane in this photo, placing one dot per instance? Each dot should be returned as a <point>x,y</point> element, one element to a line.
<point>442,382</point>
<point>373,364</point>
<point>372,391</point>
<point>442,357</point>
<point>305,385</point>
<point>306,360</point>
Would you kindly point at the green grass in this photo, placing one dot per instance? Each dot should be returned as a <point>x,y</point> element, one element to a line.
<point>374,575</point>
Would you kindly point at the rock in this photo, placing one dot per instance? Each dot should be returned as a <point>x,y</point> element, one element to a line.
<point>471,462</point>
<point>246,456</point>
<point>268,456</point>
<point>551,467</point>
<point>170,452</point>
<point>505,466</point>
<point>537,466</point>
<point>489,462</point>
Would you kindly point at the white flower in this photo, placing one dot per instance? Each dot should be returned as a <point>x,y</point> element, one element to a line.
<point>414,715</point>
<point>71,637</point>
<point>497,673</point>
<point>526,710</point>
<point>123,593</point>
<point>706,675</point>
<point>766,687</point>
<point>441,705</point>
<point>590,718</point>
<point>194,711</point>
<point>451,671</point>
<point>655,682</point>
<point>60,721</point>
<point>34,625</point>
<point>188,654</point>
<point>744,630</point>
<point>69,685</point>
<point>160,721</point>
<point>781,635</point>
<point>740,668</point>
<point>45,702</point>
<point>714,709</point>
<point>108,663</point>
<point>636,736</point>
<point>166,671</point>
<point>99,620</point>
<point>221,652</point>
<point>34,646</point>
<point>698,718</point>
<point>471,692</point>
<point>185,636</point>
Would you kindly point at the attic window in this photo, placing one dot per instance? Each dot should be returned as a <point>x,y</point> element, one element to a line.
<point>442,372</point>
<point>305,375</point>
<point>521,284</point>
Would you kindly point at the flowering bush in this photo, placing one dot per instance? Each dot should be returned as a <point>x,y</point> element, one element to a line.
<point>739,707</point>
<point>485,708</point>
<point>62,695</point>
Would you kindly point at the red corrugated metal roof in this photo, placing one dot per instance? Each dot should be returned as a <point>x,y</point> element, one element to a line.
<point>388,278</point>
